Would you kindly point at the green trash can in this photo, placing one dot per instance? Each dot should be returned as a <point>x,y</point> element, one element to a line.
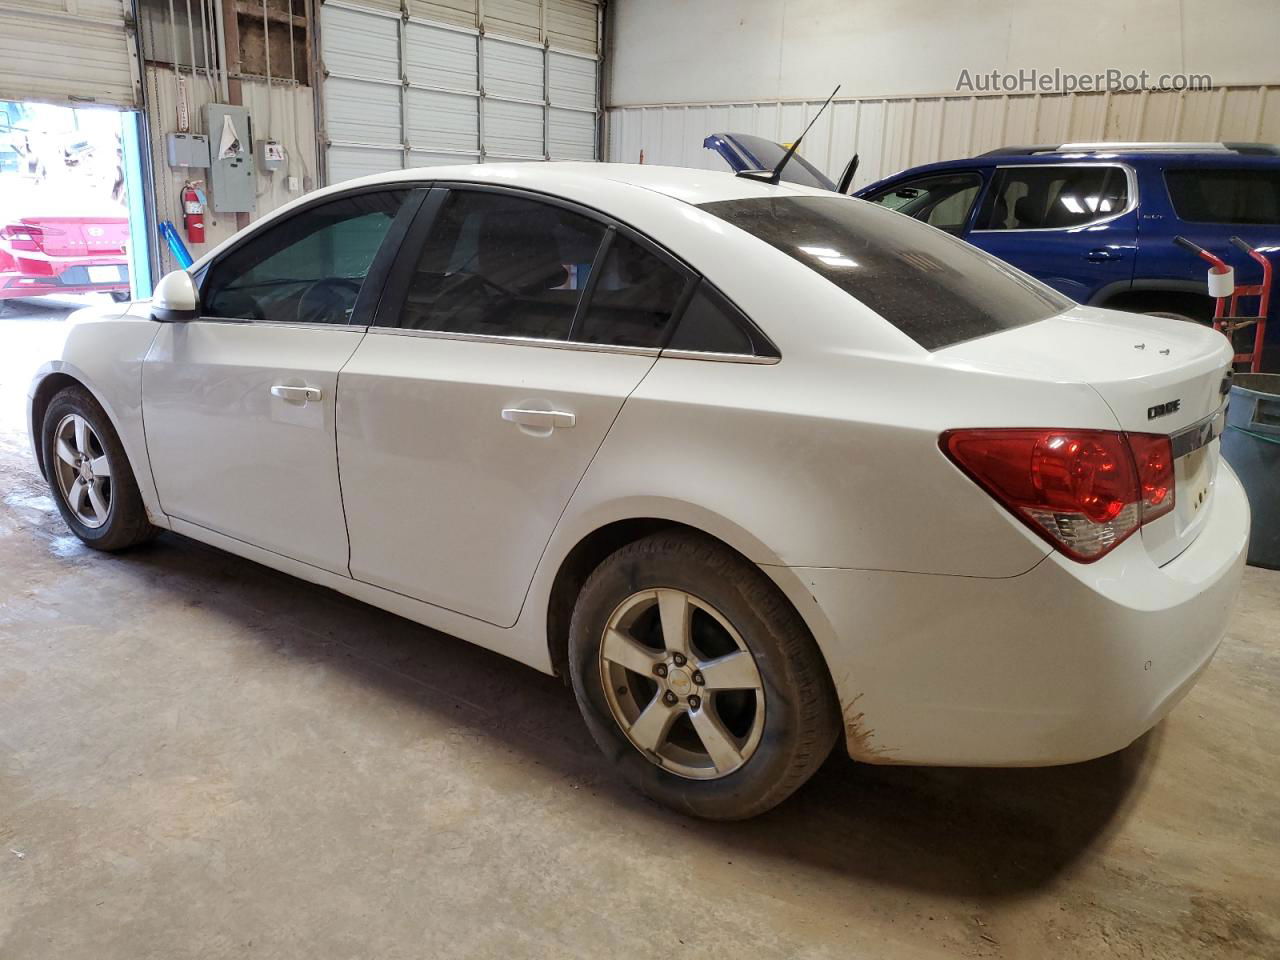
<point>1251,444</point>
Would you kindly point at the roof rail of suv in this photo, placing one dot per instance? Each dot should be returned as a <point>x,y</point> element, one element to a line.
<point>1149,146</point>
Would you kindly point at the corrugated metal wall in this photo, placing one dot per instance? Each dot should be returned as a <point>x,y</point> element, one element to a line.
<point>894,133</point>
<point>68,51</point>
<point>455,82</point>
<point>285,111</point>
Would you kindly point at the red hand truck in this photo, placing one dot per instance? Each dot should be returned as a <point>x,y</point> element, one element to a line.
<point>1226,315</point>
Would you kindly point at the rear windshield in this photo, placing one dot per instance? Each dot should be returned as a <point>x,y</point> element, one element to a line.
<point>934,288</point>
<point>1225,196</point>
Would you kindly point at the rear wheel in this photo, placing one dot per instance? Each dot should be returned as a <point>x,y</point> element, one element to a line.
<point>89,474</point>
<point>698,679</point>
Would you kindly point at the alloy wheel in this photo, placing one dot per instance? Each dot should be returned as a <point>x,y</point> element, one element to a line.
<point>682,684</point>
<point>83,470</point>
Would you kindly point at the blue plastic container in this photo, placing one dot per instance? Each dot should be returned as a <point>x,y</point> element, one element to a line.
<point>1251,444</point>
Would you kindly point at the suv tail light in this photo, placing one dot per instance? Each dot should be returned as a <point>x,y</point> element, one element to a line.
<point>1084,491</point>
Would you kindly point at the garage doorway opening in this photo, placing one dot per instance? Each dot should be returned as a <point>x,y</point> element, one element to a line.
<point>72,211</point>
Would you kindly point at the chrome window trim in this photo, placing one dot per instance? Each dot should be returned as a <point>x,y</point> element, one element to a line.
<point>718,357</point>
<point>276,324</point>
<point>517,341</point>
<point>568,345</point>
<point>1131,177</point>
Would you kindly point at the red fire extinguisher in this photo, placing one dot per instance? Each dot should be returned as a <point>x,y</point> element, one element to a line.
<point>193,204</point>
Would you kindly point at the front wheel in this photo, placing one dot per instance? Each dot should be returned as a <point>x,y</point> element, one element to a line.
<point>89,474</point>
<point>698,679</point>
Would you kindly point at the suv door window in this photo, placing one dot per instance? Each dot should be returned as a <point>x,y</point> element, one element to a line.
<point>633,299</point>
<point>501,265</point>
<point>306,269</point>
<point>1225,196</point>
<point>1053,197</point>
<point>942,201</point>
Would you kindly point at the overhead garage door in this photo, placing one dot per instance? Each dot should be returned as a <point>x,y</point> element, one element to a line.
<point>450,87</point>
<point>67,51</point>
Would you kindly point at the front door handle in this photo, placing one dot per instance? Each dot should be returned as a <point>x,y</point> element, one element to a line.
<point>539,418</point>
<point>295,394</point>
<point>1101,255</point>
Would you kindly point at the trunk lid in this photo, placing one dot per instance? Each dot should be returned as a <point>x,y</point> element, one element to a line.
<point>1157,375</point>
<point>77,236</point>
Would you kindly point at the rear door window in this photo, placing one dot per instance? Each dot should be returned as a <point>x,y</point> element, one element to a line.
<point>1048,197</point>
<point>500,265</point>
<point>940,201</point>
<point>633,298</point>
<point>1225,196</point>
<point>934,288</point>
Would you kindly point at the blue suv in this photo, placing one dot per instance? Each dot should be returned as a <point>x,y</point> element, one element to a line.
<point>1094,220</point>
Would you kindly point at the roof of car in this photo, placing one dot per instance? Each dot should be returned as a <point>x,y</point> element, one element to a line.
<point>592,184</point>
<point>558,176</point>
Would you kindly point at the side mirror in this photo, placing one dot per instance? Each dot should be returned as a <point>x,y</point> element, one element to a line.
<point>175,299</point>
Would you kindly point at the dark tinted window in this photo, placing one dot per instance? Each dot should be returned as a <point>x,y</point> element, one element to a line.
<point>934,288</point>
<point>306,269</point>
<point>1048,197</point>
<point>767,154</point>
<point>1225,196</point>
<point>633,298</point>
<point>710,324</point>
<point>501,265</point>
<point>942,201</point>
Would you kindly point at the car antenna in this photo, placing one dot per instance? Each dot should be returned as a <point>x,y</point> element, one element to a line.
<point>774,175</point>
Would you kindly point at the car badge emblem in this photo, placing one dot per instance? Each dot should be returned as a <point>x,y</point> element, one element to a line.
<point>1164,409</point>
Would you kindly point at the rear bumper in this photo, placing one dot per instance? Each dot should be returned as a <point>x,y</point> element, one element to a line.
<point>60,276</point>
<point>1064,663</point>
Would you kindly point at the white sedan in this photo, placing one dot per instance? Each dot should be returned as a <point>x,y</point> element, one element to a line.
<point>757,467</point>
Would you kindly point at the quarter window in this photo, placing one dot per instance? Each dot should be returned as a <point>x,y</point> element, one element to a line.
<point>941,201</point>
<point>501,265</point>
<point>711,324</point>
<point>1053,197</point>
<point>633,298</point>
<point>1225,196</point>
<point>306,269</point>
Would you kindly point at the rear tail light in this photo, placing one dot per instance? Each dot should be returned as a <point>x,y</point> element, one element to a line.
<point>1085,491</point>
<point>23,236</point>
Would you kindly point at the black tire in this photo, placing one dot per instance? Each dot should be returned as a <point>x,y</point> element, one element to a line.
<point>126,524</point>
<point>801,713</point>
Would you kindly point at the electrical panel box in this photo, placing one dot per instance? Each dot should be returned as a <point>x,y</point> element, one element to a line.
<point>187,150</point>
<point>233,182</point>
<point>270,155</point>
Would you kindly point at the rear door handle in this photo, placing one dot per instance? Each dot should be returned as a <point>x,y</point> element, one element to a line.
<point>1101,255</point>
<point>539,418</point>
<point>295,394</point>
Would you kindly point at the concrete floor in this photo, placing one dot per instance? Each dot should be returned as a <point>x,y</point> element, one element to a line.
<point>201,757</point>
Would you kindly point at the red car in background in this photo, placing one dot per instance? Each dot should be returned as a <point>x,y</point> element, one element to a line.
<point>63,254</point>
